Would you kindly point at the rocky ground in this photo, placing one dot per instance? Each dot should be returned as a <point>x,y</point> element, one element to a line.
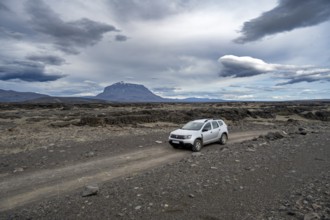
<point>282,175</point>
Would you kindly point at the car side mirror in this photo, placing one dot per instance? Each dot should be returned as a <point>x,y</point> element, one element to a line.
<point>204,129</point>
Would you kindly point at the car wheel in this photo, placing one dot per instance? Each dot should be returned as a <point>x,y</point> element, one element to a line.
<point>223,139</point>
<point>198,144</point>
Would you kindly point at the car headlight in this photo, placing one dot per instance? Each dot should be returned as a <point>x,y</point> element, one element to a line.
<point>187,136</point>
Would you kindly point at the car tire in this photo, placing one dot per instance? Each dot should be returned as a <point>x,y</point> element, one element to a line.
<point>197,146</point>
<point>223,139</point>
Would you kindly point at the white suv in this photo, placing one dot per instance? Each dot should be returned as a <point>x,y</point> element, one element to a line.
<point>199,132</point>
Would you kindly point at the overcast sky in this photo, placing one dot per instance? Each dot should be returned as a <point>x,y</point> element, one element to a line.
<point>242,50</point>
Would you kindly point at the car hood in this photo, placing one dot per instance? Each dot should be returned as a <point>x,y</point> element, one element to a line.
<point>184,132</point>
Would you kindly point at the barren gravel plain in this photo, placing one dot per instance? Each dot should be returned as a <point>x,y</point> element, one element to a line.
<point>112,161</point>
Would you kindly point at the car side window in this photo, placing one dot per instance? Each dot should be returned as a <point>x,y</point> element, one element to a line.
<point>215,124</point>
<point>220,123</point>
<point>207,127</point>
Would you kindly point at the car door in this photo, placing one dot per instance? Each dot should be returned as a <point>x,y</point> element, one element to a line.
<point>215,131</point>
<point>207,133</point>
<point>222,126</point>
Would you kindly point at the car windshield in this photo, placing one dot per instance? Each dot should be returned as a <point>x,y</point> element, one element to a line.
<point>193,125</point>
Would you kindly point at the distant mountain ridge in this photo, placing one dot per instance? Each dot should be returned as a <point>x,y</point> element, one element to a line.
<point>193,99</point>
<point>13,96</point>
<point>66,100</point>
<point>118,92</point>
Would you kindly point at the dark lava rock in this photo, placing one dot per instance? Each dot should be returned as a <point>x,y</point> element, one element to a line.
<point>303,132</point>
<point>60,124</point>
<point>90,190</point>
<point>273,136</point>
<point>323,116</point>
<point>292,121</point>
<point>92,121</point>
<point>319,115</point>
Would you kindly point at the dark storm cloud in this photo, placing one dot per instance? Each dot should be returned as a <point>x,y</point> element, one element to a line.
<point>9,29</point>
<point>4,33</point>
<point>288,15</point>
<point>298,80</point>
<point>26,71</point>
<point>307,75</point>
<point>67,36</point>
<point>120,37</point>
<point>47,59</point>
<point>3,7</point>
<point>147,9</point>
<point>239,71</point>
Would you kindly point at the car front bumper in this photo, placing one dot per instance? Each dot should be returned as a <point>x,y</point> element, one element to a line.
<point>181,142</point>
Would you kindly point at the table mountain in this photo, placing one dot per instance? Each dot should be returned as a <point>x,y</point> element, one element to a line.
<point>127,92</point>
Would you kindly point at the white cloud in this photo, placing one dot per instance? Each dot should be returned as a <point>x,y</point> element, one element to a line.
<point>243,66</point>
<point>238,97</point>
<point>234,66</point>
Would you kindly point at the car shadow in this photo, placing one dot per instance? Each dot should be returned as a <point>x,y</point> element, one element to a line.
<point>187,148</point>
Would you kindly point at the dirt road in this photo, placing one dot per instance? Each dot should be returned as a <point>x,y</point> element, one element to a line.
<point>27,187</point>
